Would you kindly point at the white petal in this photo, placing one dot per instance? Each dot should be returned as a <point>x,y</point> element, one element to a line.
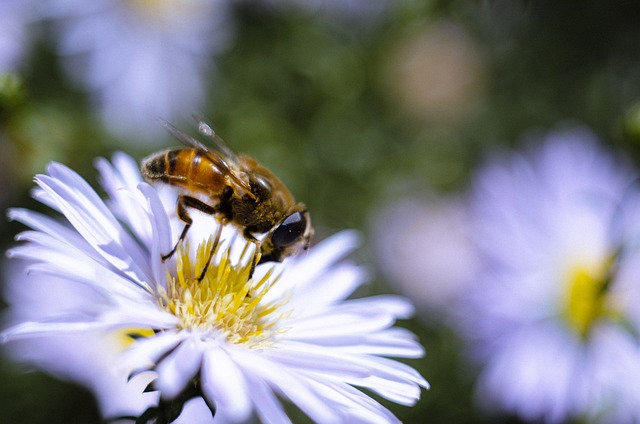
<point>393,380</point>
<point>35,296</point>
<point>139,315</point>
<point>331,286</point>
<point>67,262</point>
<point>87,358</point>
<point>161,243</point>
<point>63,324</point>
<point>290,385</point>
<point>70,187</point>
<point>310,360</point>
<point>333,324</point>
<point>64,234</point>
<point>380,366</point>
<point>120,182</point>
<point>195,411</point>
<point>360,407</point>
<point>45,198</point>
<point>128,169</point>
<point>179,367</point>
<point>267,406</point>
<point>224,385</point>
<point>377,343</point>
<point>306,269</point>
<point>396,306</point>
<point>393,370</point>
<point>88,214</point>
<point>400,393</point>
<point>146,352</point>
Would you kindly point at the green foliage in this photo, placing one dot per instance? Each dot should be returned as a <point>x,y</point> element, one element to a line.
<point>35,398</point>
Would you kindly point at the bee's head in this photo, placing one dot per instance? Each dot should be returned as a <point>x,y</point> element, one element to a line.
<point>293,232</point>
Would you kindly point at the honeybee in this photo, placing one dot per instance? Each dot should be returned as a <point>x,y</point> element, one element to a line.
<point>234,188</point>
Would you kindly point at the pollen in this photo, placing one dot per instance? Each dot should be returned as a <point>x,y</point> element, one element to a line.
<point>588,298</point>
<point>225,299</point>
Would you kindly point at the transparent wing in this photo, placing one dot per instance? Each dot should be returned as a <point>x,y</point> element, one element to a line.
<point>222,160</point>
<point>218,142</point>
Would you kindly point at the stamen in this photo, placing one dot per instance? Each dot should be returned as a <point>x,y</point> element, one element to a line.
<point>220,295</point>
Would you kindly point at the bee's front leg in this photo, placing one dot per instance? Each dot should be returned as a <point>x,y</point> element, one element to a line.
<point>185,202</point>
<point>257,254</point>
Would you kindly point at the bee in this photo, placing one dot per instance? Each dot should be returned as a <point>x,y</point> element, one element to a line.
<point>235,188</point>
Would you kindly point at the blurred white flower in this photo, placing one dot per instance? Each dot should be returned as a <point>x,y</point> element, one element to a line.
<point>141,59</point>
<point>554,312</point>
<point>436,75</point>
<point>239,343</point>
<point>423,248</point>
<point>146,59</point>
<point>15,17</point>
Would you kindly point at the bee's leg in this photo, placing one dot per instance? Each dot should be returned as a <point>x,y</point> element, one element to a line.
<point>184,217</point>
<point>256,256</point>
<point>183,203</point>
<point>214,246</point>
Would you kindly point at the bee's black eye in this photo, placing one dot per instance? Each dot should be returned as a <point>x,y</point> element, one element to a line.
<point>290,230</point>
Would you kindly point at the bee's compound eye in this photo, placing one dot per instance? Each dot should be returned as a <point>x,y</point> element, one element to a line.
<point>290,230</point>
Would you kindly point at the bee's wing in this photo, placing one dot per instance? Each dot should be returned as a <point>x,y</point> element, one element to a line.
<point>215,157</point>
<point>218,142</point>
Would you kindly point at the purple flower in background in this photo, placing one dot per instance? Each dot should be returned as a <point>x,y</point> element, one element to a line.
<point>146,59</point>
<point>554,313</point>
<point>140,59</point>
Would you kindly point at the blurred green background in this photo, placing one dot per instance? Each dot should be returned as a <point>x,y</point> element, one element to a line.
<point>352,117</point>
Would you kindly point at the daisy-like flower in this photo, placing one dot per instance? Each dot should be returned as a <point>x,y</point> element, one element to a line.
<point>239,338</point>
<point>553,314</point>
<point>140,59</point>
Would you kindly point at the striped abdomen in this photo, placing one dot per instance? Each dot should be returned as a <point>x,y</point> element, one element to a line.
<point>186,168</point>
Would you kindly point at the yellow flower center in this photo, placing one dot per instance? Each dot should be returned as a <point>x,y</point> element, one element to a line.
<point>587,299</point>
<point>225,299</point>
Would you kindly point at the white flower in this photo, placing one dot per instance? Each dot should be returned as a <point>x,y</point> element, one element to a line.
<point>423,248</point>
<point>140,59</point>
<point>554,313</point>
<point>242,343</point>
